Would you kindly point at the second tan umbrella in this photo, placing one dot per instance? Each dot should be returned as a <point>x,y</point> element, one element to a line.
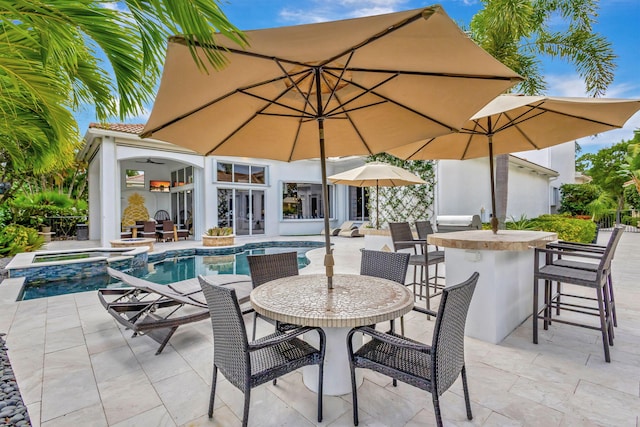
<point>512,123</point>
<point>376,174</point>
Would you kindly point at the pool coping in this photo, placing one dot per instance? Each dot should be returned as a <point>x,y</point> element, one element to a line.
<point>24,261</point>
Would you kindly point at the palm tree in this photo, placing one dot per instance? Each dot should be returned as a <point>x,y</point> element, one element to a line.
<point>517,32</point>
<point>55,56</point>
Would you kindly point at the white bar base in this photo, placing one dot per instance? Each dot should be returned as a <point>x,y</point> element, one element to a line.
<point>503,298</point>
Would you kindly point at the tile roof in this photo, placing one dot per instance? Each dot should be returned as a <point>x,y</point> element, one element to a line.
<point>135,129</point>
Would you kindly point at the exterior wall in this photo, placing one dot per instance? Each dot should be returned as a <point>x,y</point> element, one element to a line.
<point>528,193</point>
<point>463,187</point>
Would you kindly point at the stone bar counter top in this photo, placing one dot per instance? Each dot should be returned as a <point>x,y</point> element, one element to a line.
<point>505,240</point>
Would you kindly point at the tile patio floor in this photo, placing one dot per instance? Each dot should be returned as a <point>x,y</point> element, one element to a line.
<point>76,367</point>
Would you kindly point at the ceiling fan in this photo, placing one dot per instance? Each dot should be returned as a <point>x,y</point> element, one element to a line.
<point>150,160</point>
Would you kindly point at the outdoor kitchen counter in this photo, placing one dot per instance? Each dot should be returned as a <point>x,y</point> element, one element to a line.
<point>505,240</point>
<point>503,298</point>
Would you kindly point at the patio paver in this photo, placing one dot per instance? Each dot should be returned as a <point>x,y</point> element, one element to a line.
<point>76,366</point>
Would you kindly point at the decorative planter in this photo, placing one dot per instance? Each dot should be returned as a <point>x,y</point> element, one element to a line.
<point>218,240</point>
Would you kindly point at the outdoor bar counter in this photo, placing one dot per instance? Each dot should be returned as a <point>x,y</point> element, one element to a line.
<point>503,298</point>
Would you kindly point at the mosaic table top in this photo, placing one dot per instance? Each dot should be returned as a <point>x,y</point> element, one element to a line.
<point>505,240</point>
<point>354,300</point>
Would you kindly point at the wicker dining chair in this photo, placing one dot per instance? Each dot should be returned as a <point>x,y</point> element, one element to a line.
<point>386,265</point>
<point>249,364</point>
<point>432,368</point>
<point>268,267</point>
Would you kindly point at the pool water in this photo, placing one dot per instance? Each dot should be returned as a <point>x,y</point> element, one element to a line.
<point>166,271</point>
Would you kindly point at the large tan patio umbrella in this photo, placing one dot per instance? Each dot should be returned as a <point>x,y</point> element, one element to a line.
<point>376,174</point>
<point>358,86</point>
<point>512,123</point>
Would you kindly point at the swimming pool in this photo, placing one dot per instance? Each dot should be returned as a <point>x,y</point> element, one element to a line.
<point>174,266</point>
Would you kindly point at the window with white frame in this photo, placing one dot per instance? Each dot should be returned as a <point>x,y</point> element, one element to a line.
<point>241,173</point>
<point>303,200</point>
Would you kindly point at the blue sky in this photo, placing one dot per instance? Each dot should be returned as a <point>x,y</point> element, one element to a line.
<point>617,21</point>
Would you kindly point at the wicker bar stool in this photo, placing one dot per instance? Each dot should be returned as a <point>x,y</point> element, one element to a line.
<point>597,279</point>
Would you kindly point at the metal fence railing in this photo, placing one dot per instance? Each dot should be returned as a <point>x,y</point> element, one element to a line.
<point>629,218</point>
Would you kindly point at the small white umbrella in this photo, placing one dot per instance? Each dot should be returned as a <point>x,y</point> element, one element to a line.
<point>376,174</point>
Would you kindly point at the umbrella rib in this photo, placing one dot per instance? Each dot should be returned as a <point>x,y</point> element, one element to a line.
<point>295,84</point>
<point>340,78</point>
<point>424,13</point>
<point>273,102</point>
<point>220,98</point>
<point>355,128</point>
<point>365,91</point>
<point>424,116</point>
<point>253,116</point>
<point>427,74</point>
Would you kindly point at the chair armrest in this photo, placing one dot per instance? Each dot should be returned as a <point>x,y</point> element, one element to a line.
<point>257,345</point>
<point>425,311</point>
<point>414,241</point>
<point>561,252</point>
<point>568,246</point>
<point>393,339</point>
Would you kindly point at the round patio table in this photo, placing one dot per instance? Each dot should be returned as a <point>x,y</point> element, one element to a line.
<point>354,301</point>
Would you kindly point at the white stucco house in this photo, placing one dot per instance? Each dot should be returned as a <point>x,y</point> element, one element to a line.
<point>266,197</point>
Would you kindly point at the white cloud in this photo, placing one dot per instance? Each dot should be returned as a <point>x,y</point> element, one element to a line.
<point>321,11</point>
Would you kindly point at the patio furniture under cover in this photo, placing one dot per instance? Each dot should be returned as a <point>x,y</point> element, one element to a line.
<point>248,364</point>
<point>432,368</point>
<point>158,310</point>
<point>327,89</point>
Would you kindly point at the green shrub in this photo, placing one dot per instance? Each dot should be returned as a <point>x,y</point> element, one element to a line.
<point>17,238</point>
<point>32,211</point>
<point>576,198</point>
<point>219,231</point>
<point>570,229</point>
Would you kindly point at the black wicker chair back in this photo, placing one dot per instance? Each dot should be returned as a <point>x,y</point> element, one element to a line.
<point>432,368</point>
<point>230,353</point>
<point>400,235</point>
<point>249,364</point>
<point>448,334</point>
<point>265,268</point>
<point>424,228</point>
<point>386,265</point>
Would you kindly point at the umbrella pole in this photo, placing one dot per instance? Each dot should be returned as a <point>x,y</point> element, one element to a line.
<point>328,258</point>
<point>377,210</point>
<point>494,218</point>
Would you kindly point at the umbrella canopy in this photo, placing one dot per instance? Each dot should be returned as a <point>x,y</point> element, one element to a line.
<point>376,174</point>
<point>512,123</point>
<point>357,86</point>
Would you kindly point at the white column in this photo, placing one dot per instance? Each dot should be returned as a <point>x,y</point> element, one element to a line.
<point>110,183</point>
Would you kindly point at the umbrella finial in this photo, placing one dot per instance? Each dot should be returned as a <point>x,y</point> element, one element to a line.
<point>494,224</point>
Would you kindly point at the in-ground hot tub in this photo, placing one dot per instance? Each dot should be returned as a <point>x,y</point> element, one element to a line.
<point>133,242</point>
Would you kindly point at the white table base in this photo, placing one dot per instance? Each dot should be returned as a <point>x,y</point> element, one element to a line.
<point>337,375</point>
<point>503,297</point>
